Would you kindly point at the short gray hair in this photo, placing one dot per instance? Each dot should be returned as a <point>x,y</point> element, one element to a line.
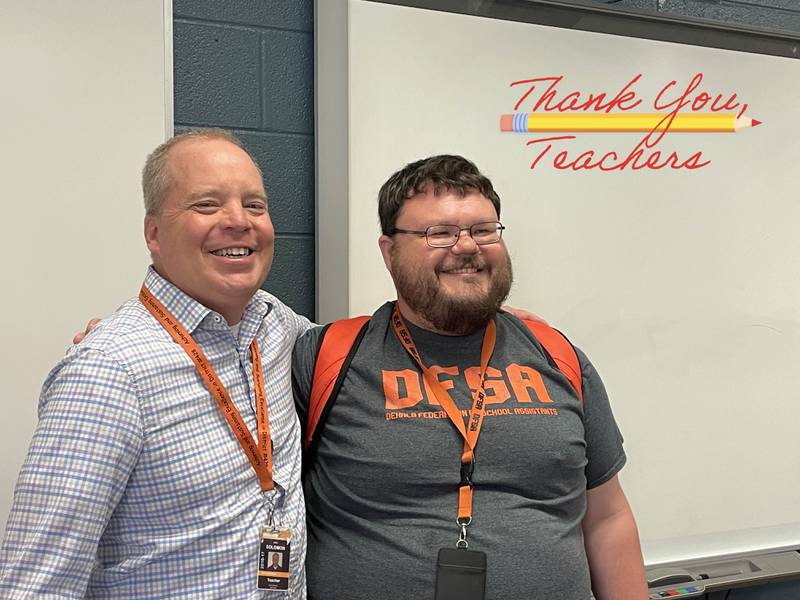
<point>155,180</point>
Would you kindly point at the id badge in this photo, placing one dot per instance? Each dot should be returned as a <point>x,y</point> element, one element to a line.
<point>460,574</point>
<point>273,559</point>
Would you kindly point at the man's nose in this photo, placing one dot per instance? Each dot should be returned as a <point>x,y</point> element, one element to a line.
<point>464,244</point>
<point>235,216</point>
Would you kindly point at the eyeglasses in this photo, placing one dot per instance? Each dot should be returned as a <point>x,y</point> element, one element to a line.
<point>445,236</point>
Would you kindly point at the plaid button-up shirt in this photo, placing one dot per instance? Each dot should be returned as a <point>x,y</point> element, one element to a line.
<point>134,485</point>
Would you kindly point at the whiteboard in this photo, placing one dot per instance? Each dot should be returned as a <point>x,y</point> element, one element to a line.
<point>680,284</point>
<point>87,93</point>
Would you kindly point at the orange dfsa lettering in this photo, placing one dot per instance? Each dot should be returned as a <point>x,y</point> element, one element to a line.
<point>496,389</point>
<point>391,388</point>
<point>447,384</point>
<point>523,379</point>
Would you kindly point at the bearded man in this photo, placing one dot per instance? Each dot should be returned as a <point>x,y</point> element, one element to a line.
<point>535,510</point>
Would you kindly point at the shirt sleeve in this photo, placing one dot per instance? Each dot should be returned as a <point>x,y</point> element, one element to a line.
<point>298,323</point>
<point>604,450</point>
<point>86,444</point>
<point>303,324</point>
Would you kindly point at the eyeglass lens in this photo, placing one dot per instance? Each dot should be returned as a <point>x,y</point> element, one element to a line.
<point>447,235</point>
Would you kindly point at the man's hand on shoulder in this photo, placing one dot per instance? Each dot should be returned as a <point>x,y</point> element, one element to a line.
<point>520,313</point>
<point>82,334</point>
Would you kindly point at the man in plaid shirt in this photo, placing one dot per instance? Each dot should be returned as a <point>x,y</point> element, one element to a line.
<point>135,486</point>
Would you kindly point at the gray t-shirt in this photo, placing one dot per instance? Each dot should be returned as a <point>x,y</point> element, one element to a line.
<point>382,487</point>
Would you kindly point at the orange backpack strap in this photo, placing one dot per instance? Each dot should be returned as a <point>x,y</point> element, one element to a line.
<point>560,350</point>
<point>337,346</point>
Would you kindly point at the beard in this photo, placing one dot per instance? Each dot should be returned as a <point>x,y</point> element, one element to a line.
<point>455,314</point>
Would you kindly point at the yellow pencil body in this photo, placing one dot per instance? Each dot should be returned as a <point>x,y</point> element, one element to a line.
<point>621,122</point>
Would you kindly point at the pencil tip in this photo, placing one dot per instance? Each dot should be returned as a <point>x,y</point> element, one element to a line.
<point>755,122</point>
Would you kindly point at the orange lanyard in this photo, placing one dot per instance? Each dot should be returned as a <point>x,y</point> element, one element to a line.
<point>260,455</point>
<point>472,430</point>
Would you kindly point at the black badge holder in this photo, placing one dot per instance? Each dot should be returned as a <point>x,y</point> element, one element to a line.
<point>460,574</point>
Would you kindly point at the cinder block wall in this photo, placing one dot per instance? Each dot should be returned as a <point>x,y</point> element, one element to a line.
<point>248,66</point>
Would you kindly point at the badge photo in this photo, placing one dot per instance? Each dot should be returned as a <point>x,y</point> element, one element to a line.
<point>273,559</point>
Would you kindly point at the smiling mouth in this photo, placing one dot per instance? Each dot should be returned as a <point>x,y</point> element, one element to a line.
<point>463,270</point>
<point>232,252</point>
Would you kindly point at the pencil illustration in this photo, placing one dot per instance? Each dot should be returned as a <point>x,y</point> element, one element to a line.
<point>621,123</point>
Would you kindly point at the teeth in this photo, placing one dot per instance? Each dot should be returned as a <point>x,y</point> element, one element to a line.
<point>232,252</point>
<point>464,270</point>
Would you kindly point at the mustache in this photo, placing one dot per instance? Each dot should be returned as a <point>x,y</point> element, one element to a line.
<point>463,263</point>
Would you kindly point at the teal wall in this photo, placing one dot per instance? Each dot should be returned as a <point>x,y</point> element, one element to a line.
<point>248,66</point>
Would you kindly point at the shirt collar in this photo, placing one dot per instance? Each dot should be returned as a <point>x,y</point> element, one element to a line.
<point>189,312</point>
<point>254,314</point>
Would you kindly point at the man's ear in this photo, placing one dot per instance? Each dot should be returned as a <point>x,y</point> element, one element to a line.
<point>151,233</point>
<point>386,244</point>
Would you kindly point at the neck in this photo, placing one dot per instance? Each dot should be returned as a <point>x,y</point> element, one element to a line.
<point>231,318</point>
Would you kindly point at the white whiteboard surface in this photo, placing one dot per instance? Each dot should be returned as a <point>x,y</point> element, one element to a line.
<point>87,93</point>
<point>683,287</point>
